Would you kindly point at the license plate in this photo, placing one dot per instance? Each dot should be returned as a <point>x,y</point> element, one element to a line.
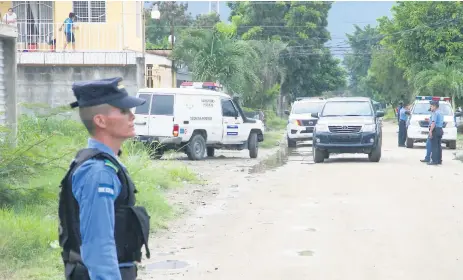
<point>425,132</point>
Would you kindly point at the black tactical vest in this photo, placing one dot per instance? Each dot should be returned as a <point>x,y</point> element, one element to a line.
<point>131,229</point>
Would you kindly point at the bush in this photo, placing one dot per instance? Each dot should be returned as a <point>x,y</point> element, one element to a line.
<point>29,184</point>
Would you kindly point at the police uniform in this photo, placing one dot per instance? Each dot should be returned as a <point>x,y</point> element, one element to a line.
<point>436,140</point>
<point>101,231</point>
<point>427,158</point>
<point>402,126</point>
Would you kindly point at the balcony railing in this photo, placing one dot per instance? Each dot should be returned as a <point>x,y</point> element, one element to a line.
<point>47,37</point>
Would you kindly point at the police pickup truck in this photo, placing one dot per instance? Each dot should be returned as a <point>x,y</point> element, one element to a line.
<point>347,125</point>
<point>418,122</point>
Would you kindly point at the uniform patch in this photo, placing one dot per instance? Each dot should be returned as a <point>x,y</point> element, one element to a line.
<point>110,164</point>
<point>105,190</point>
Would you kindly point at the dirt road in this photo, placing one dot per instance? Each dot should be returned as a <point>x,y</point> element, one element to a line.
<point>344,219</point>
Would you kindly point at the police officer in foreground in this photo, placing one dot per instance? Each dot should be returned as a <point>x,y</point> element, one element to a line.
<point>435,133</point>
<point>101,230</point>
<point>403,125</point>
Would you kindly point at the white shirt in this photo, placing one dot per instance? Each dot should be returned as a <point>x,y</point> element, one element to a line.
<point>8,17</point>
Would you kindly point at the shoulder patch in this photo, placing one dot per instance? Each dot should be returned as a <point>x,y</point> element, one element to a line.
<point>110,164</point>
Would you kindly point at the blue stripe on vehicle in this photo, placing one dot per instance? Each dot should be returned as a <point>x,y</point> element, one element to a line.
<point>232,133</point>
<point>232,126</point>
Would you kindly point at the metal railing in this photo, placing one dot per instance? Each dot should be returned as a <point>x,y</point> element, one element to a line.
<point>47,37</point>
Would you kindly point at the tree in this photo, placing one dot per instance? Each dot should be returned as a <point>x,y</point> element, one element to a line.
<point>173,16</point>
<point>362,42</point>
<point>216,56</point>
<point>206,20</point>
<point>443,78</point>
<point>424,32</point>
<point>385,80</point>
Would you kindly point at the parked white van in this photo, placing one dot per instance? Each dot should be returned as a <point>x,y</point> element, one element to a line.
<point>195,121</point>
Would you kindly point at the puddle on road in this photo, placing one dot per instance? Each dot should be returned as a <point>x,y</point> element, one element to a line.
<point>280,158</point>
<point>167,264</point>
<point>306,253</point>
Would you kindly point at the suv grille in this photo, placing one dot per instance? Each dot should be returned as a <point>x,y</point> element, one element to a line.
<point>308,122</point>
<point>345,128</point>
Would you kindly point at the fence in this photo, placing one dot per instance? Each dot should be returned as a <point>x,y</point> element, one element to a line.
<point>51,37</point>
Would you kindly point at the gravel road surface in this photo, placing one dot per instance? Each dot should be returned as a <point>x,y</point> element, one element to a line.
<point>286,218</point>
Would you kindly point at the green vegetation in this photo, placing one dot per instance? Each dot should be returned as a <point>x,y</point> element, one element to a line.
<point>416,52</point>
<point>269,51</point>
<point>29,184</point>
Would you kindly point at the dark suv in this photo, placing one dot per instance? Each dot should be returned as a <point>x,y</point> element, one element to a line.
<point>348,125</point>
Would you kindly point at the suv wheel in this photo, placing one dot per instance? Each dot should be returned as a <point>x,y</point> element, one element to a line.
<point>253,145</point>
<point>318,155</point>
<point>196,147</point>
<point>291,143</point>
<point>375,154</point>
<point>409,143</point>
<point>452,145</point>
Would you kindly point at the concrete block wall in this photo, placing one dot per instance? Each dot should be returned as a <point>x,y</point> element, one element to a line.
<point>52,85</point>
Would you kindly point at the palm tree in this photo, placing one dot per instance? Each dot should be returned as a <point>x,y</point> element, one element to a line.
<point>216,56</point>
<point>441,77</point>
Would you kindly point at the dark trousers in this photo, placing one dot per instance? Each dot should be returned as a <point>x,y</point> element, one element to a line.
<point>79,272</point>
<point>402,132</point>
<point>436,145</point>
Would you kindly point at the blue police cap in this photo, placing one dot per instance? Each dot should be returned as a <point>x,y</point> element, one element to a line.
<point>434,102</point>
<point>106,91</point>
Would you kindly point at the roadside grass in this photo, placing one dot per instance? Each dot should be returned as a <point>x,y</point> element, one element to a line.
<point>272,139</point>
<point>389,115</point>
<point>29,185</point>
<point>459,141</point>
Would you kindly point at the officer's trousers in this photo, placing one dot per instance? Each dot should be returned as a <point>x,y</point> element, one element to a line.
<point>428,150</point>
<point>402,132</point>
<point>80,272</point>
<point>436,145</point>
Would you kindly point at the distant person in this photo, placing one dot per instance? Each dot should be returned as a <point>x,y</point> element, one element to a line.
<point>427,158</point>
<point>69,27</point>
<point>401,105</point>
<point>435,133</point>
<point>10,18</point>
<point>403,125</point>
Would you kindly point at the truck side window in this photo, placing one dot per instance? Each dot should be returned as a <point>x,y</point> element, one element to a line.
<point>145,108</point>
<point>228,110</point>
<point>162,105</point>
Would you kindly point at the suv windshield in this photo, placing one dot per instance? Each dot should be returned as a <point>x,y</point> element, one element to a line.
<point>307,107</point>
<point>423,109</point>
<point>347,108</point>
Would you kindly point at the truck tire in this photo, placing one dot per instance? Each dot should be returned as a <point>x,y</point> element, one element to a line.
<point>375,155</point>
<point>253,145</point>
<point>318,155</point>
<point>452,145</point>
<point>291,143</point>
<point>196,147</point>
<point>409,143</point>
<point>210,152</point>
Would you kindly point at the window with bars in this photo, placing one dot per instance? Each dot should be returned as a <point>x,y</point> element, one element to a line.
<point>90,11</point>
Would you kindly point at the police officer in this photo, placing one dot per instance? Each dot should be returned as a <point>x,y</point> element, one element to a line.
<point>401,105</point>
<point>403,126</point>
<point>101,229</point>
<point>427,158</point>
<point>435,133</point>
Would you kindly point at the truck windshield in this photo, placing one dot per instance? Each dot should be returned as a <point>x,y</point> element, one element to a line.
<point>423,109</point>
<point>307,107</point>
<point>347,108</point>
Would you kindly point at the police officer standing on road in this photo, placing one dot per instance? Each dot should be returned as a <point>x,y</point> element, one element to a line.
<point>435,133</point>
<point>403,126</point>
<point>101,230</point>
<point>427,158</point>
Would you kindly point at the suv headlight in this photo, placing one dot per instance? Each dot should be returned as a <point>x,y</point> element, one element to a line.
<point>369,128</point>
<point>321,128</point>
